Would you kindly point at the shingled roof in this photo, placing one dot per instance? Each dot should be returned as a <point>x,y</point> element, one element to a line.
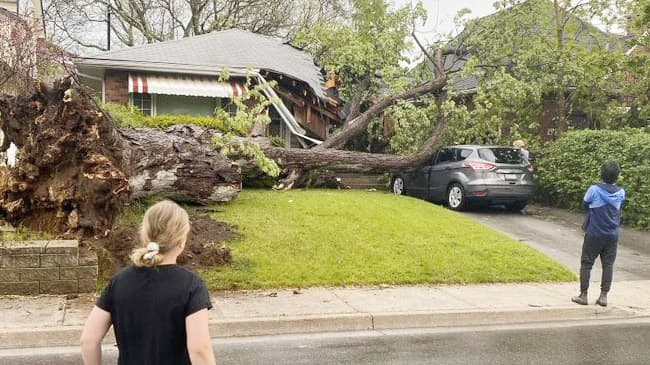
<point>234,49</point>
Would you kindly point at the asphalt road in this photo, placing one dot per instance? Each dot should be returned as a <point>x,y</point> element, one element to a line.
<point>557,234</point>
<point>578,343</point>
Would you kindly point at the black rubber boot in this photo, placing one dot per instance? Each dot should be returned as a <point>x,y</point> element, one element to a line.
<point>581,298</point>
<point>602,299</point>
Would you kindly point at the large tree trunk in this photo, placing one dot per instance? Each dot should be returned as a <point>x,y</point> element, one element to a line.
<point>178,162</point>
<point>340,160</point>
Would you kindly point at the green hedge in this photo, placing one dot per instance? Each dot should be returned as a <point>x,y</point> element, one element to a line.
<point>569,166</point>
<point>124,117</point>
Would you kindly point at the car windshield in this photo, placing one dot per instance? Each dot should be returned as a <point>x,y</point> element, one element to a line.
<point>501,155</point>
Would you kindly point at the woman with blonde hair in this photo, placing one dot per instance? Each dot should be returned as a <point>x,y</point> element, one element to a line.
<point>159,310</point>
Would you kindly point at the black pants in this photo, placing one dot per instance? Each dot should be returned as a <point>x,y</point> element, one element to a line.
<point>592,248</point>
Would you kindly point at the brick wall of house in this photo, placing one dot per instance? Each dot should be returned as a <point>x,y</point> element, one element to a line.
<point>46,267</point>
<point>116,87</point>
<point>548,130</point>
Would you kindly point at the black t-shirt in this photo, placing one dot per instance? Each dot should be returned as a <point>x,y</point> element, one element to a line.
<point>148,307</point>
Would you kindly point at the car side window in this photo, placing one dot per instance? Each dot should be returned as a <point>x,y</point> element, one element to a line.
<point>463,154</point>
<point>445,155</point>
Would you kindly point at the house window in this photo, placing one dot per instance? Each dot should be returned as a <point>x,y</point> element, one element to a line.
<point>227,105</point>
<point>142,102</point>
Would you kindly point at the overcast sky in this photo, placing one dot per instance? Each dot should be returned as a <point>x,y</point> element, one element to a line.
<point>441,14</point>
<point>440,20</point>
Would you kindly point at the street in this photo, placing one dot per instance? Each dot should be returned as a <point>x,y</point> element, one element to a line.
<point>618,342</point>
<point>557,234</point>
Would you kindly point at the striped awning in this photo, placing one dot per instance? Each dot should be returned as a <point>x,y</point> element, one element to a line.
<point>185,85</point>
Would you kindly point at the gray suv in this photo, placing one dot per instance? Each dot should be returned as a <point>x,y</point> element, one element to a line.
<point>461,175</point>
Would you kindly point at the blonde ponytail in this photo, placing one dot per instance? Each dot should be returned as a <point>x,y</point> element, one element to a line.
<point>137,257</point>
<point>165,226</point>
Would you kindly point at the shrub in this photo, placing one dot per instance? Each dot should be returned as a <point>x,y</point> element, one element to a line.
<point>124,117</point>
<point>570,165</point>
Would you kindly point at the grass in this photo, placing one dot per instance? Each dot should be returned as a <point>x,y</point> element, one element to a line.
<point>305,238</point>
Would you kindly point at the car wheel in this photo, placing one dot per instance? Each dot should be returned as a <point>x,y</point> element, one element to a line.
<point>517,206</point>
<point>456,197</point>
<point>399,187</point>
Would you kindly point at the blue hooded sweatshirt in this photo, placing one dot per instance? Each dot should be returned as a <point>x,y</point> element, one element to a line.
<point>604,210</point>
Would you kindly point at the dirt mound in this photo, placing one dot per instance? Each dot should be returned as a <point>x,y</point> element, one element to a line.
<point>203,248</point>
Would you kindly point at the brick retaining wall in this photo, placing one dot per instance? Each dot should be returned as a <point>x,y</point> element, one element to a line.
<point>46,267</point>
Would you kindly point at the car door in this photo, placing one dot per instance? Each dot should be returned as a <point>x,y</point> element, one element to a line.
<point>420,180</point>
<point>440,173</point>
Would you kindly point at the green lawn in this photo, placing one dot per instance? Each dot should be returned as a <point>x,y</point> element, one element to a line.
<point>304,238</point>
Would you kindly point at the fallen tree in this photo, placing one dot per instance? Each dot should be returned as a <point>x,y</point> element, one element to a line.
<point>77,170</point>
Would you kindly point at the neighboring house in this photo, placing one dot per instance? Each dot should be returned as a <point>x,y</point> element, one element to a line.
<point>467,86</point>
<point>20,38</point>
<point>10,6</point>
<point>182,77</point>
<point>17,49</point>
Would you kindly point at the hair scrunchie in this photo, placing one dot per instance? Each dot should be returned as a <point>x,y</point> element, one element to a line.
<point>153,248</point>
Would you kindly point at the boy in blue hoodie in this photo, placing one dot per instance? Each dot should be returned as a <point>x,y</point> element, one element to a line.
<point>603,203</point>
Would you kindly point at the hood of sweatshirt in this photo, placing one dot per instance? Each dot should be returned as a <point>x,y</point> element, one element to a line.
<point>610,194</point>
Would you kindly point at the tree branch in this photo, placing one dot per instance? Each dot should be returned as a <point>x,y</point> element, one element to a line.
<point>359,125</point>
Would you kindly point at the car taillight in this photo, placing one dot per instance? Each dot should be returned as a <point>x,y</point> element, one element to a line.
<point>480,165</point>
<point>530,167</point>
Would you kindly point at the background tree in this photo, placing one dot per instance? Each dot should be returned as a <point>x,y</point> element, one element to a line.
<point>82,24</point>
<point>530,53</point>
<point>368,55</point>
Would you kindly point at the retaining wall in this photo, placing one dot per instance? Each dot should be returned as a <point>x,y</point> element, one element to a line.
<point>46,267</point>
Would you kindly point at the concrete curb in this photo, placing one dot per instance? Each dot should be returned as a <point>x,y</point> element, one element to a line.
<point>258,326</point>
<point>481,317</point>
<point>291,324</point>
<point>40,337</point>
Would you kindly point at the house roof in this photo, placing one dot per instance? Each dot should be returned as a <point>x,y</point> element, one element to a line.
<point>462,84</point>
<point>10,14</point>
<point>212,52</point>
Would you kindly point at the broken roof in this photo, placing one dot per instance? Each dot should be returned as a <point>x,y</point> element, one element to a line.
<point>212,52</point>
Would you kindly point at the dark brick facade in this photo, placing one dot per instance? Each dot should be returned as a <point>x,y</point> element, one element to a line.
<point>116,87</point>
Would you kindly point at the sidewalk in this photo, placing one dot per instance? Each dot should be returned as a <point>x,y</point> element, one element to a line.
<point>56,321</point>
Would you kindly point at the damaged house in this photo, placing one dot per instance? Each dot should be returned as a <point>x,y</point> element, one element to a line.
<point>182,77</point>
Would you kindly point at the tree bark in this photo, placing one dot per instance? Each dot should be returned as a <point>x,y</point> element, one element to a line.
<point>178,162</point>
<point>357,98</point>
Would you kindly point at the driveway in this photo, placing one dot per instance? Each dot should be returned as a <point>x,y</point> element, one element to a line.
<point>557,233</point>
